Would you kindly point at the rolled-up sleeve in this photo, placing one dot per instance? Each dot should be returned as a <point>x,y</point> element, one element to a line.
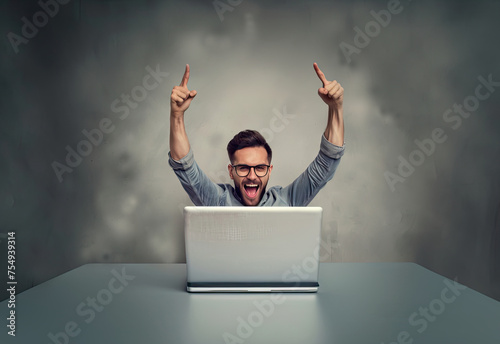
<point>331,150</point>
<point>182,164</point>
<point>303,189</point>
<point>201,190</point>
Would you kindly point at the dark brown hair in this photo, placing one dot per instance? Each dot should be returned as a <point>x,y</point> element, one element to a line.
<point>248,138</point>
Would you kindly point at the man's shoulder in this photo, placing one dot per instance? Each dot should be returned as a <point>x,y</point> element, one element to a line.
<point>274,196</point>
<point>274,189</point>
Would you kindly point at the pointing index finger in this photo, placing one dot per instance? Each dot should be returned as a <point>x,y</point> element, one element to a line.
<point>320,74</point>
<point>185,78</point>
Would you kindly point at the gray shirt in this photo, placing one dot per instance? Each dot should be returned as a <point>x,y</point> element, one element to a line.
<point>204,192</point>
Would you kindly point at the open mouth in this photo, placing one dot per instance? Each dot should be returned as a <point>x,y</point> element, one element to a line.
<point>251,190</point>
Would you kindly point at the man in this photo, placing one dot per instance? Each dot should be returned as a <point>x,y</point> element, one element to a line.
<point>250,157</point>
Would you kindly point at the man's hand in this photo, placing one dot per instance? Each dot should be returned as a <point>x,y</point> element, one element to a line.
<point>333,95</point>
<point>332,92</point>
<point>180,99</point>
<point>181,96</point>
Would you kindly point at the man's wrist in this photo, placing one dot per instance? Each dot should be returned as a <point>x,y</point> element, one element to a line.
<point>176,114</point>
<point>335,110</point>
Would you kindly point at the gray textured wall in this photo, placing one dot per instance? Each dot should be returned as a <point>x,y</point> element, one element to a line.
<point>250,64</point>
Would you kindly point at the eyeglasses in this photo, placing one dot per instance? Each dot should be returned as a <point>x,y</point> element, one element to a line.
<point>244,170</point>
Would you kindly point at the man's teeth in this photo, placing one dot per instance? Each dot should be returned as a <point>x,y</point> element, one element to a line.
<point>251,185</point>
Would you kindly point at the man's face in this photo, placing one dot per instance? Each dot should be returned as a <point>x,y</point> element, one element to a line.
<point>251,188</point>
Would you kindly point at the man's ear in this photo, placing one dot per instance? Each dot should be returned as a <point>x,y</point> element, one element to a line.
<point>230,170</point>
<point>270,169</point>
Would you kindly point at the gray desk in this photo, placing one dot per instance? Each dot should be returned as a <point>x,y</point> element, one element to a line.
<point>357,303</point>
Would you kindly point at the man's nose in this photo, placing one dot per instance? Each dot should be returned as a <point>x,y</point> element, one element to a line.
<point>252,174</point>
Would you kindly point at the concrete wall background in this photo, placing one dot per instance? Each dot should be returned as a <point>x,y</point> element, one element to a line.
<point>251,64</point>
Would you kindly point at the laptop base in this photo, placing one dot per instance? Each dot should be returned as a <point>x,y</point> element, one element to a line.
<point>214,287</point>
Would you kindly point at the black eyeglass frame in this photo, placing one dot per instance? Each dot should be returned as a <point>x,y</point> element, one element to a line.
<point>250,168</point>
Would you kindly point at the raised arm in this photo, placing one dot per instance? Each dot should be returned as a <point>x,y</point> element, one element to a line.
<point>332,94</point>
<point>180,99</point>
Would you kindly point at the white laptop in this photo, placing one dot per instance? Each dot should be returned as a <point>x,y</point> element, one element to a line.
<point>252,249</point>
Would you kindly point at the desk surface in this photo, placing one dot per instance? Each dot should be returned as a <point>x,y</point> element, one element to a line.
<point>357,303</point>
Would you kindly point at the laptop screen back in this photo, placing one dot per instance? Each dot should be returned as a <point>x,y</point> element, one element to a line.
<point>252,244</point>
